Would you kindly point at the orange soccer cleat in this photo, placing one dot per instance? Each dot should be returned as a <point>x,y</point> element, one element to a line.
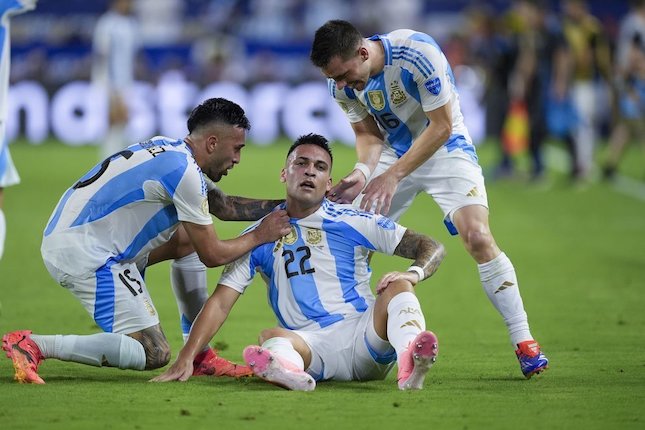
<point>25,354</point>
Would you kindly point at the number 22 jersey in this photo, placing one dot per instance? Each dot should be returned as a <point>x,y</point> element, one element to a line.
<point>318,274</point>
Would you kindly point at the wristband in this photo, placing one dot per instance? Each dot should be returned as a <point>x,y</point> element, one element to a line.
<point>364,170</point>
<point>419,271</point>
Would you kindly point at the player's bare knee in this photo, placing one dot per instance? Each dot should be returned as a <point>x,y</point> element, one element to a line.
<point>478,240</point>
<point>394,288</point>
<point>270,333</point>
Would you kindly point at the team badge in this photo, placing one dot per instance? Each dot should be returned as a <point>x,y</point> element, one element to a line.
<point>397,96</point>
<point>377,100</point>
<point>434,86</point>
<point>386,223</point>
<point>292,237</point>
<point>343,106</point>
<point>313,237</point>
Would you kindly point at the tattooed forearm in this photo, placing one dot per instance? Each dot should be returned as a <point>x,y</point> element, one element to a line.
<point>155,345</point>
<point>234,208</point>
<point>426,252</point>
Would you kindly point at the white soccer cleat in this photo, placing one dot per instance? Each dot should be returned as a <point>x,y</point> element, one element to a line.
<point>268,366</point>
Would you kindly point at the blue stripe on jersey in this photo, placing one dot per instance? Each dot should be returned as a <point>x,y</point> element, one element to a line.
<point>350,93</point>
<point>304,289</point>
<point>400,137</point>
<point>341,228</point>
<point>161,221</point>
<point>104,299</point>
<point>185,324</point>
<point>58,212</point>
<point>422,37</point>
<point>127,187</point>
<point>3,34</point>
<point>457,141</point>
<point>385,358</point>
<point>409,84</point>
<point>4,145</point>
<point>415,57</point>
<point>262,256</point>
<point>344,258</point>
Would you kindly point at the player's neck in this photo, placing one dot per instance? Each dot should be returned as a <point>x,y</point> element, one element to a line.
<point>300,210</point>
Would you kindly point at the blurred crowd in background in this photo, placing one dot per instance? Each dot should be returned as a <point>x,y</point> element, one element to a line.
<point>536,68</point>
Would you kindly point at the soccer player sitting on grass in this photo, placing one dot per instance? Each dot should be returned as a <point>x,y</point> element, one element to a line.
<point>331,326</point>
<point>145,204</point>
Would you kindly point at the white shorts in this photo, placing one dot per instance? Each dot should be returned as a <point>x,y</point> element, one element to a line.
<point>349,350</point>
<point>8,173</point>
<point>116,297</point>
<point>453,180</point>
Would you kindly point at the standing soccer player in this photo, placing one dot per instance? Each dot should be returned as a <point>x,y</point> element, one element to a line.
<point>114,49</point>
<point>127,213</point>
<point>399,94</point>
<point>331,327</point>
<point>8,174</point>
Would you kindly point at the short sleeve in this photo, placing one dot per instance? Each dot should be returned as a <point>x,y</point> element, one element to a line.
<point>190,198</point>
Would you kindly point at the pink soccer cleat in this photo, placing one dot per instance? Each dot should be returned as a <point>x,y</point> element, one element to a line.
<point>25,354</point>
<point>415,362</point>
<point>268,366</point>
<point>210,364</point>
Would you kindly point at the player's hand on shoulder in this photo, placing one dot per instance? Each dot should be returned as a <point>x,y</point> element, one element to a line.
<point>180,370</point>
<point>348,188</point>
<point>379,193</point>
<point>274,226</point>
<point>390,277</point>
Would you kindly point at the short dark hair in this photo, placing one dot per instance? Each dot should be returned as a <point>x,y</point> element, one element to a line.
<point>217,110</point>
<point>312,139</point>
<point>335,37</point>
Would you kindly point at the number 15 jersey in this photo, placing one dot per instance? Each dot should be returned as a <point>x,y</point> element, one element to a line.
<point>125,207</point>
<point>318,274</point>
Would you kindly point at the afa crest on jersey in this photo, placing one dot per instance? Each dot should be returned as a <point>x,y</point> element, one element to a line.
<point>292,237</point>
<point>377,99</point>
<point>434,86</point>
<point>313,237</point>
<point>397,96</point>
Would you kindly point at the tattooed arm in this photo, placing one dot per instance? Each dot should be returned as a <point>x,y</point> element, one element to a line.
<point>427,254</point>
<point>234,208</point>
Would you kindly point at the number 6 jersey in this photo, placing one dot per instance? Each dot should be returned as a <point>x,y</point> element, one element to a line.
<point>416,78</point>
<point>318,274</point>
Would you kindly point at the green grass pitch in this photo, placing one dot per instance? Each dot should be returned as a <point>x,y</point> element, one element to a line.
<point>580,260</point>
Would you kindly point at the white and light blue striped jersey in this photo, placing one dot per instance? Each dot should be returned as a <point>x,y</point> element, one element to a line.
<point>319,273</point>
<point>126,206</point>
<point>416,79</point>
<point>8,8</point>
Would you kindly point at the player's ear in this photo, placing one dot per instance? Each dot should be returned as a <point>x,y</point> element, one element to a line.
<point>328,186</point>
<point>363,53</point>
<point>211,143</point>
<point>283,176</point>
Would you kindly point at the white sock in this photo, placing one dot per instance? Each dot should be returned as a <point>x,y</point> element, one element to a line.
<point>282,347</point>
<point>101,349</point>
<point>3,232</point>
<point>500,283</point>
<point>188,280</point>
<point>405,321</point>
